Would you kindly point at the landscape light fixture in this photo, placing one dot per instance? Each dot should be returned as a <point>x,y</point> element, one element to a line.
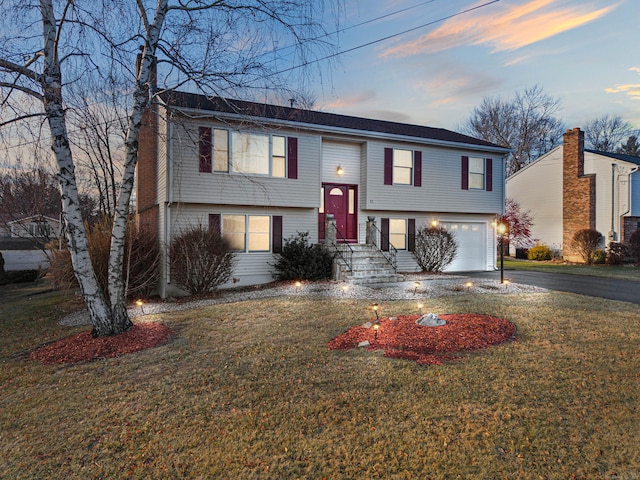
<point>376,327</point>
<point>420,309</point>
<point>344,289</point>
<point>375,309</point>
<point>298,284</point>
<point>469,284</point>
<point>140,303</point>
<point>416,286</point>
<point>434,223</point>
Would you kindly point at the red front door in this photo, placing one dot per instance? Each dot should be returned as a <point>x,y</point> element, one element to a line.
<point>340,200</point>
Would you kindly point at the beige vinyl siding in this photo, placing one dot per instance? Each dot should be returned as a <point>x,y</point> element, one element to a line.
<point>163,158</point>
<point>538,189</point>
<point>254,267</point>
<point>191,186</point>
<point>344,154</point>
<point>441,182</point>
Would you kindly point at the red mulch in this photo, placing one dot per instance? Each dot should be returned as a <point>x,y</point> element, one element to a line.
<point>403,338</point>
<point>84,348</point>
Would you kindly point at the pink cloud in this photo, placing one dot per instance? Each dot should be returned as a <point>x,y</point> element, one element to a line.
<point>502,28</point>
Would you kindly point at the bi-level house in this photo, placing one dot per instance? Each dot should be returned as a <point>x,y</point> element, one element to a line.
<point>261,173</point>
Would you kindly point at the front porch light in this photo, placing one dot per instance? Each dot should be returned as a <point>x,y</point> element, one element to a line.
<point>339,170</point>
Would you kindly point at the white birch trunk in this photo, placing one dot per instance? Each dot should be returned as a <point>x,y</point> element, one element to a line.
<point>76,235</point>
<point>141,101</point>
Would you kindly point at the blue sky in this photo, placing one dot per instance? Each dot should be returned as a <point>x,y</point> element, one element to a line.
<point>584,52</point>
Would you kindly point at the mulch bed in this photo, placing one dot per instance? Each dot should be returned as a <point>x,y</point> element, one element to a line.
<point>84,348</point>
<point>401,337</point>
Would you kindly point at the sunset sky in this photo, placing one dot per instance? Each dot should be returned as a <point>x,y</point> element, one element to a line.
<point>584,52</point>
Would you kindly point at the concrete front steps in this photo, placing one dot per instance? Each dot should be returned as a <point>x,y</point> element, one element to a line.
<point>369,265</point>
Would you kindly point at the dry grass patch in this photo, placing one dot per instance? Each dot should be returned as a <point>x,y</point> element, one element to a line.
<point>250,390</point>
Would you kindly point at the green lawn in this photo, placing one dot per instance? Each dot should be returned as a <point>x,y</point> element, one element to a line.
<point>249,390</point>
<point>624,272</point>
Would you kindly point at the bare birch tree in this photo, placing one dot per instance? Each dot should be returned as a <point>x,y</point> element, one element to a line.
<point>216,46</point>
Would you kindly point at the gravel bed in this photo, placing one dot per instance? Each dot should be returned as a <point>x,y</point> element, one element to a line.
<point>430,287</point>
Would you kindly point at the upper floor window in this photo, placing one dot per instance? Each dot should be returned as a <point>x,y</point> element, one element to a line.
<point>476,173</point>
<point>247,153</point>
<point>402,166</point>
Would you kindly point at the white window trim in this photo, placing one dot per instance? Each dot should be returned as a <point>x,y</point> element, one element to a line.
<point>411,169</point>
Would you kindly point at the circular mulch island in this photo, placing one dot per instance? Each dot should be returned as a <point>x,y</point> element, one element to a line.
<point>401,337</point>
<point>84,348</point>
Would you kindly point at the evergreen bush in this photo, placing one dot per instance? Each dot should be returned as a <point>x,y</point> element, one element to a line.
<point>301,261</point>
<point>539,253</point>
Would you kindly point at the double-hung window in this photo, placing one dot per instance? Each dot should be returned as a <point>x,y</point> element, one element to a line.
<point>402,166</point>
<point>398,233</point>
<point>476,173</point>
<point>247,233</point>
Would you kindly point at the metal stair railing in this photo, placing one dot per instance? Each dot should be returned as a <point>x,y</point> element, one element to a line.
<point>390,255</point>
<point>343,249</point>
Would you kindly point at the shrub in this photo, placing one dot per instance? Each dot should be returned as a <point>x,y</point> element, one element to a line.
<point>141,263</point>
<point>585,242</point>
<point>19,276</point>
<point>301,261</point>
<point>539,253</point>
<point>435,248</point>
<point>598,256</point>
<point>1,265</point>
<point>634,246</point>
<point>201,260</point>
<point>616,253</point>
<point>522,253</point>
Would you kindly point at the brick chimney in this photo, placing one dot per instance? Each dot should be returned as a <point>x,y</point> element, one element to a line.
<point>147,208</point>
<point>578,192</point>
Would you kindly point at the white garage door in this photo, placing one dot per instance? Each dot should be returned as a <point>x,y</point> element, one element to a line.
<point>472,246</point>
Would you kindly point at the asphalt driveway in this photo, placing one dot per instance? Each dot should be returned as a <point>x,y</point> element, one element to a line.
<point>610,288</point>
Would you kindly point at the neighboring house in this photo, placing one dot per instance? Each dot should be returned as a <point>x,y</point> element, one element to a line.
<point>22,241</point>
<point>261,173</point>
<point>570,189</point>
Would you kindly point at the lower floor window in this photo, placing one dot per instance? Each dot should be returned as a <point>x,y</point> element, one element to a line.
<point>247,233</point>
<point>398,233</point>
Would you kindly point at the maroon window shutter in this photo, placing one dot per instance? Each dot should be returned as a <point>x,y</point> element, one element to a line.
<point>388,166</point>
<point>276,234</point>
<point>384,237</point>
<point>204,145</point>
<point>292,158</point>
<point>215,223</point>
<point>417,168</point>
<point>465,173</point>
<point>411,235</point>
<point>489,174</point>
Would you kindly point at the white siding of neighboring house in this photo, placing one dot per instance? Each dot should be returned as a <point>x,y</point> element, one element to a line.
<point>24,260</point>
<point>538,189</point>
